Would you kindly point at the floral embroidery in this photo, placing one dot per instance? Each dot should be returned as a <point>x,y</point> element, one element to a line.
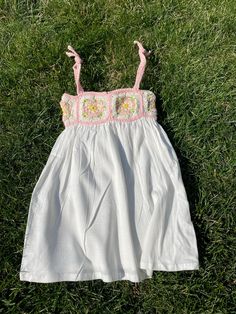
<point>93,108</point>
<point>150,103</point>
<point>66,109</point>
<point>125,106</point>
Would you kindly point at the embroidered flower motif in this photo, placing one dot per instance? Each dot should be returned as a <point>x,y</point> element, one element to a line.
<point>66,109</point>
<point>125,106</point>
<point>150,104</point>
<point>93,108</point>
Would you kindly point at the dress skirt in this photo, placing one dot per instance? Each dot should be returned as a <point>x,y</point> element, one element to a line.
<point>109,204</point>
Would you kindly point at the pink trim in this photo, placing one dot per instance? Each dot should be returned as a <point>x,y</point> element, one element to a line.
<point>141,104</point>
<point>80,91</point>
<point>66,94</point>
<point>128,89</point>
<point>110,120</point>
<point>114,91</point>
<point>77,108</point>
<point>110,106</point>
<point>76,67</point>
<point>110,116</point>
<point>142,54</point>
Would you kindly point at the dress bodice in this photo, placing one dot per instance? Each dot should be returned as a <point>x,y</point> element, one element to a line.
<point>123,105</point>
<point>99,107</point>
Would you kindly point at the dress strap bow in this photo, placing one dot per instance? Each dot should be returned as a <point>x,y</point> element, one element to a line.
<point>143,53</point>
<point>76,67</point>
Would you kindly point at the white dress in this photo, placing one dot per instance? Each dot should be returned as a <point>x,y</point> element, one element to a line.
<point>110,202</point>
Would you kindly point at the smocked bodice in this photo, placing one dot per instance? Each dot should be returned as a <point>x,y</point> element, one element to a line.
<point>122,105</point>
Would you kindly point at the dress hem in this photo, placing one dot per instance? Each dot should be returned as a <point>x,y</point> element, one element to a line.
<point>169,267</point>
<point>93,275</point>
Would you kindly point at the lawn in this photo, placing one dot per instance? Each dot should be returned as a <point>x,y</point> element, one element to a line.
<point>192,70</point>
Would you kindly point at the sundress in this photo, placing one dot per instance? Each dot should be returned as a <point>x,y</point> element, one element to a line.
<point>110,202</point>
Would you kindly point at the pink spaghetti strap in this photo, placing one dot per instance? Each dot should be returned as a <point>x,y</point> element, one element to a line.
<point>143,53</point>
<point>76,68</point>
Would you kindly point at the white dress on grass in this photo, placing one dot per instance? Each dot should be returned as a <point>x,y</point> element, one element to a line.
<point>110,202</point>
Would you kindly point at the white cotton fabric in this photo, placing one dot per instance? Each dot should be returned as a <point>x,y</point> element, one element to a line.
<point>109,204</point>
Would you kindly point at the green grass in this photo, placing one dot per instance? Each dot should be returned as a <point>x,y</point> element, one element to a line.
<point>193,73</point>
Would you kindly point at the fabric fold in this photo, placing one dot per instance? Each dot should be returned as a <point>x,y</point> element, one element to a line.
<point>109,204</point>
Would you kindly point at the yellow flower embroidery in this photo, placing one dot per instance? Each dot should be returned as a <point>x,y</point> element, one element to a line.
<point>93,109</point>
<point>126,106</point>
<point>66,110</point>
